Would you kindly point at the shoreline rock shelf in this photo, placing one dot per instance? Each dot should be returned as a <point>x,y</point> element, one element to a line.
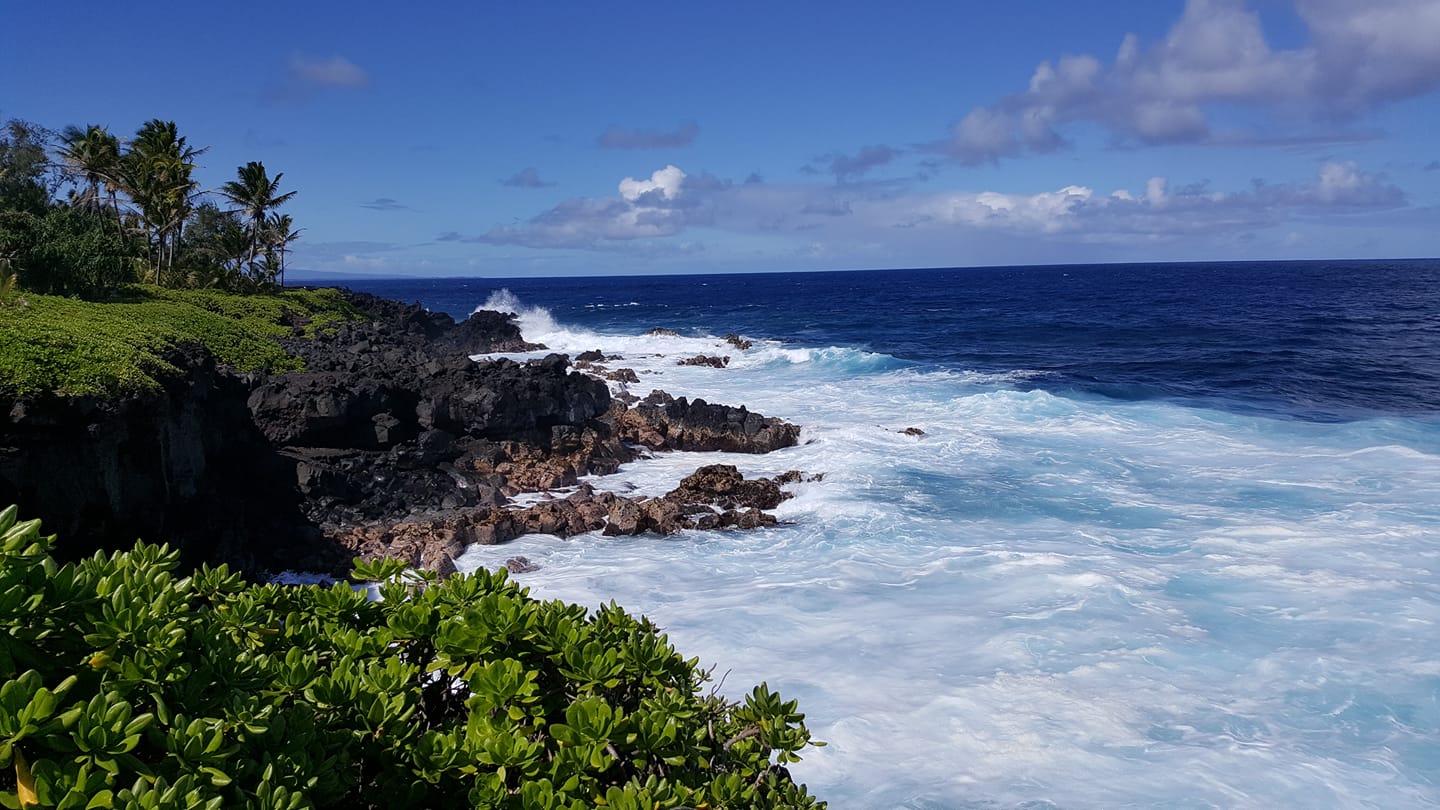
<point>391,442</point>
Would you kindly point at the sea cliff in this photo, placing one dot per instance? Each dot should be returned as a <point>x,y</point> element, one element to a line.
<point>390,441</point>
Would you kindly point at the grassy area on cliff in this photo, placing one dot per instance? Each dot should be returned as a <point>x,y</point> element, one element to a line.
<point>111,347</point>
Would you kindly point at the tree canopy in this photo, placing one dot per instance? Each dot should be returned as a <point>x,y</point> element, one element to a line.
<point>84,211</point>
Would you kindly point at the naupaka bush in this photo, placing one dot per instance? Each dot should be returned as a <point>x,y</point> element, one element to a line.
<point>126,685</point>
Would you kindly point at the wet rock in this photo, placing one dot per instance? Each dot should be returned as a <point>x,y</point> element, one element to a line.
<point>520,565</point>
<point>663,422</point>
<point>747,519</point>
<point>661,516</point>
<point>661,331</point>
<point>722,485</point>
<point>704,360</point>
<point>623,518</point>
<point>913,431</point>
<point>738,342</point>
<point>485,332</point>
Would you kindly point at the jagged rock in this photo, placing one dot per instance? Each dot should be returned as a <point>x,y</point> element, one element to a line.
<point>592,356</point>
<point>913,431</point>
<point>520,565</point>
<point>328,409</point>
<point>661,331</point>
<point>714,497</point>
<point>502,398</point>
<point>722,485</point>
<point>748,519</point>
<point>624,518</point>
<point>662,422</point>
<point>795,477</point>
<point>485,332</point>
<point>738,342</point>
<point>661,516</point>
<point>623,375</point>
<point>704,360</point>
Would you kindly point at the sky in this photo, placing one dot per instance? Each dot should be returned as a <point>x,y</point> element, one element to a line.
<point>508,139</point>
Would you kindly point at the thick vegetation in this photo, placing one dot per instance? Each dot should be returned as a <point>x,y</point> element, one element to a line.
<point>126,686</point>
<point>74,347</point>
<point>84,211</point>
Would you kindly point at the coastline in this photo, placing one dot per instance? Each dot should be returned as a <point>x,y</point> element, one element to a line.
<point>391,442</point>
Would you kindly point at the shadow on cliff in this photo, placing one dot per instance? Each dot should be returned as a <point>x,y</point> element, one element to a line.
<point>184,466</point>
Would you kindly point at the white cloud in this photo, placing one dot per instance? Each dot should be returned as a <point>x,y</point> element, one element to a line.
<point>1155,192</point>
<point>1046,212</point>
<point>666,181</point>
<point>1359,55</point>
<point>669,203</point>
<point>365,263</point>
<point>658,207</point>
<point>1376,50</point>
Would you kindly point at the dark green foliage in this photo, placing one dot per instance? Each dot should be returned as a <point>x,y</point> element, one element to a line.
<point>26,177</point>
<point>215,248</point>
<point>126,686</point>
<point>65,251</point>
<point>73,347</point>
<point>134,211</point>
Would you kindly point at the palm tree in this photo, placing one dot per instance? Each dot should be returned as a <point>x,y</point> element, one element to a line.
<point>255,194</point>
<point>93,154</point>
<point>279,229</point>
<point>156,174</point>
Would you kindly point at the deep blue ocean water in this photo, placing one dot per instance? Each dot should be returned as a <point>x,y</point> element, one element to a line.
<point>1171,537</point>
<point>1310,340</point>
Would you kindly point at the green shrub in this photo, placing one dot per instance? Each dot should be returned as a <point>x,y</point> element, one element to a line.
<point>75,347</point>
<point>65,251</point>
<point>127,686</point>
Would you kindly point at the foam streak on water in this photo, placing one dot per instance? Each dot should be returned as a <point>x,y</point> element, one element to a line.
<point>1047,601</point>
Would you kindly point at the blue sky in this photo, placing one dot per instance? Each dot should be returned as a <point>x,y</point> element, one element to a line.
<point>513,139</point>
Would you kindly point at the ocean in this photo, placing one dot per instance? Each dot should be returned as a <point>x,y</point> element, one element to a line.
<point>1170,537</point>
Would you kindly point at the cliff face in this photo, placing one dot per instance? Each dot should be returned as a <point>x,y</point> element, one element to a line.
<point>185,465</point>
<point>218,464</point>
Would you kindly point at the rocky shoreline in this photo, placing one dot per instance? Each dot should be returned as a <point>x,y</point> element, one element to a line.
<point>391,442</point>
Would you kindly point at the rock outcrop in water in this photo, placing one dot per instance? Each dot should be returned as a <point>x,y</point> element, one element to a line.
<point>390,442</point>
<point>662,422</point>
<point>714,497</point>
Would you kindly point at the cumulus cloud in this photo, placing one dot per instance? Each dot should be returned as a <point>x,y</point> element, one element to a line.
<point>1358,56</point>
<point>527,177</point>
<point>664,184</point>
<point>663,204</point>
<point>648,212</point>
<point>623,138</point>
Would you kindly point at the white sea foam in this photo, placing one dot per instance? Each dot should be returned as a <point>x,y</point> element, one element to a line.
<point>1044,601</point>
